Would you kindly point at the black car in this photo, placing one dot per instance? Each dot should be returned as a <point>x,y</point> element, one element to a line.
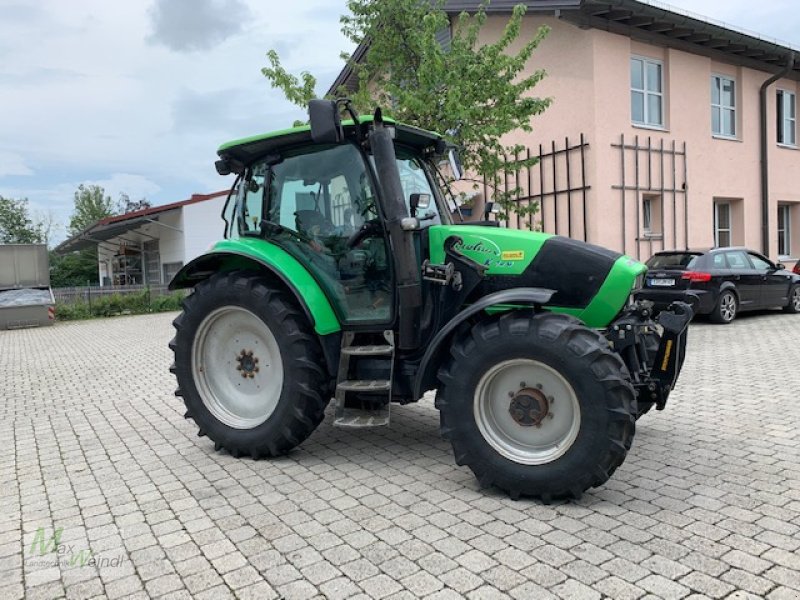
<point>720,282</point>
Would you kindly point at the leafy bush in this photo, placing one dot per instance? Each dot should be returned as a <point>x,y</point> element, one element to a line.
<point>118,304</point>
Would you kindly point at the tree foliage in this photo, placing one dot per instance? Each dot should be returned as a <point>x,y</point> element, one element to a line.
<point>125,205</point>
<point>16,224</point>
<point>472,91</point>
<point>91,205</point>
<point>73,268</point>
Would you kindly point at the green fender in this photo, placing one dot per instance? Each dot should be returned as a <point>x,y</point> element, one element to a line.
<point>245,253</point>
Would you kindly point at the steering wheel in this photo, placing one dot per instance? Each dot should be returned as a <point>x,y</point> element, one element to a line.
<point>368,229</point>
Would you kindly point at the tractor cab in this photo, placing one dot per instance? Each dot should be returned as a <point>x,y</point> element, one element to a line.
<point>320,203</point>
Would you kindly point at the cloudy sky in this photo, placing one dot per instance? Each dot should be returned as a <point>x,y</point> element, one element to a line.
<point>137,95</point>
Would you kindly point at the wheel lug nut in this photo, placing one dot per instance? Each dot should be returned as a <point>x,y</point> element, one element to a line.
<point>539,386</point>
<point>550,415</point>
<point>522,384</point>
<point>510,394</point>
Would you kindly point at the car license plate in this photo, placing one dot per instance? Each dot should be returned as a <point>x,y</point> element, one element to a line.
<point>662,282</point>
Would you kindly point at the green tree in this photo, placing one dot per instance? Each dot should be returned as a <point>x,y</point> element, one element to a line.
<point>125,205</point>
<point>474,93</point>
<point>16,224</point>
<point>91,205</point>
<point>73,269</point>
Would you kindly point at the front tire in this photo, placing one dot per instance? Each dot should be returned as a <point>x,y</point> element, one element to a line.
<point>726,309</point>
<point>537,405</point>
<point>794,300</point>
<point>248,366</point>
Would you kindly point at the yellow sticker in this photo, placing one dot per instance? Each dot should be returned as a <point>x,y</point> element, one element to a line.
<point>513,255</point>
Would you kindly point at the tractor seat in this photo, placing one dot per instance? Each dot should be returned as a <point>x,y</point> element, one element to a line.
<point>307,220</point>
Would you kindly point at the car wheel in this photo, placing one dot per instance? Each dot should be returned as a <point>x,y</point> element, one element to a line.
<point>726,308</point>
<point>794,300</point>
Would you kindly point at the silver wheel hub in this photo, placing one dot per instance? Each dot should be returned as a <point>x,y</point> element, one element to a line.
<point>796,299</point>
<point>237,367</point>
<point>728,307</point>
<point>527,411</point>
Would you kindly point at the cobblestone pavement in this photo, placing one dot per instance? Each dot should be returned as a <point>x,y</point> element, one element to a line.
<point>99,465</point>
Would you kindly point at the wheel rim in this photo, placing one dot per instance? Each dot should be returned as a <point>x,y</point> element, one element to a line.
<point>527,411</point>
<point>796,299</point>
<point>237,367</point>
<point>727,307</point>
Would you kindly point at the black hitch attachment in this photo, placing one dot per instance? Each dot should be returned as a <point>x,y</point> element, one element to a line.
<point>653,350</point>
<point>672,350</point>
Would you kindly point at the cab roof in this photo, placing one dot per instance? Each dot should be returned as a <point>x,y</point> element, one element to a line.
<point>246,150</point>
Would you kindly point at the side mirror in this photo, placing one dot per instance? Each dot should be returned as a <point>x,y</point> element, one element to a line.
<point>780,267</point>
<point>417,201</point>
<point>326,123</point>
<point>455,164</point>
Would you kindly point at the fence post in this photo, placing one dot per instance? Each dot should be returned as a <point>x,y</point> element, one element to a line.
<point>89,296</point>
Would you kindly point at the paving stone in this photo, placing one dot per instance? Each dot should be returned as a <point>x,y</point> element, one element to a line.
<point>706,504</point>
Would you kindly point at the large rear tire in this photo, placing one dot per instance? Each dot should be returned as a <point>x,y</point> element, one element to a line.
<point>536,405</point>
<point>248,365</point>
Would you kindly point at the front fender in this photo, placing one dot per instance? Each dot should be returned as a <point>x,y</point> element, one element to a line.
<point>515,296</point>
<point>259,255</point>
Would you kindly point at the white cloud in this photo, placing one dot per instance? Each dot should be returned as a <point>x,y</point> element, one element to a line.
<point>136,186</point>
<point>13,164</point>
<point>185,25</point>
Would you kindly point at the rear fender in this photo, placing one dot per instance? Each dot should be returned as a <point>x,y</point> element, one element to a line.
<point>437,348</point>
<point>294,278</point>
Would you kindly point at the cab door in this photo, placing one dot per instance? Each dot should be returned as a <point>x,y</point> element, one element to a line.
<point>320,197</point>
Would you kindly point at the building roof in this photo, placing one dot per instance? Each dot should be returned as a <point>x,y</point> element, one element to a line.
<point>646,20</point>
<point>117,225</point>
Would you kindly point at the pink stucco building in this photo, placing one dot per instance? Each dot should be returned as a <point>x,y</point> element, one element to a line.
<point>667,130</point>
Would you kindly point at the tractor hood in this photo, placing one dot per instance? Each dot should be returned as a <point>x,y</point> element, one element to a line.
<point>591,283</point>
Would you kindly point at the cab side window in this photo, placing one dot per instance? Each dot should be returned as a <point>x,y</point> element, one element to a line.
<point>324,195</point>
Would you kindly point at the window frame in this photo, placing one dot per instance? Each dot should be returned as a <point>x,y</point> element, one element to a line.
<point>718,229</point>
<point>786,211</point>
<point>646,93</point>
<point>783,120</point>
<point>722,108</point>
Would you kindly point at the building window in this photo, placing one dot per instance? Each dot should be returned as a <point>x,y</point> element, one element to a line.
<point>784,230</point>
<point>170,270</point>
<point>651,215</point>
<point>647,92</point>
<point>787,118</point>
<point>723,106</point>
<point>722,224</point>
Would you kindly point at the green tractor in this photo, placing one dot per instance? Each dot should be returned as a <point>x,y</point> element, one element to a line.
<point>343,275</point>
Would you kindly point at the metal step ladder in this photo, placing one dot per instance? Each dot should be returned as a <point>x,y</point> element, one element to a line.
<point>369,414</point>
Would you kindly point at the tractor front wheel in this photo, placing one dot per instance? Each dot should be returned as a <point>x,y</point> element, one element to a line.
<point>537,405</point>
<point>248,366</point>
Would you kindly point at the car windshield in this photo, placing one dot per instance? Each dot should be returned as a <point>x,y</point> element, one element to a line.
<point>677,260</point>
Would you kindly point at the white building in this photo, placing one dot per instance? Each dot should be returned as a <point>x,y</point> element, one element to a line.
<point>149,246</point>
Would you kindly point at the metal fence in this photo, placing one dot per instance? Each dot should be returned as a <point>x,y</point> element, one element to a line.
<point>68,295</point>
<point>556,185</point>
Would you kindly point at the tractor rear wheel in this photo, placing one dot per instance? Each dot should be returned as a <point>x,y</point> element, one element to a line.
<point>536,405</point>
<point>248,366</point>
